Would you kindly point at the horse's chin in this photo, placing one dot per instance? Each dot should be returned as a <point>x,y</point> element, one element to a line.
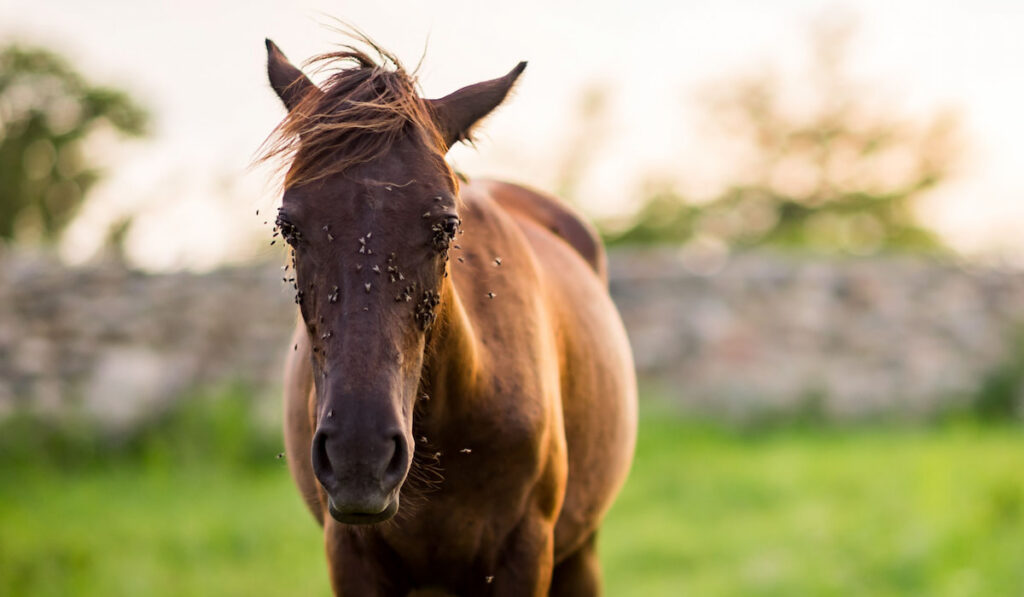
<point>348,516</point>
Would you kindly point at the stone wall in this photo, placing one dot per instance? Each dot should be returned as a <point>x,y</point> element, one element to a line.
<point>761,333</point>
<point>118,344</point>
<point>862,337</point>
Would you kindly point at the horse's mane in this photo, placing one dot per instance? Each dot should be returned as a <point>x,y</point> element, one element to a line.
<point>355,115</point>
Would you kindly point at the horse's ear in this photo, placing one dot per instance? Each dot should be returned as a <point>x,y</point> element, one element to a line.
<point>456,113</point>
<point>287,80</point>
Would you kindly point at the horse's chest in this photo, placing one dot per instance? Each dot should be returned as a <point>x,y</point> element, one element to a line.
<point>483,472</point>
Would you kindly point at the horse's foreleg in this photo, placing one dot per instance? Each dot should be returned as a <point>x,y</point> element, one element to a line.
<point>579,575</point>
<point>527,558</point>
<point>526,563</point>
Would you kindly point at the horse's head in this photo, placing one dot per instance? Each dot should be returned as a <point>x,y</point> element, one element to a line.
<point>370,207</point>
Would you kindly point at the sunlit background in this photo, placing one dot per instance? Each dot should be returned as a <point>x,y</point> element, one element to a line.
<point>814,215</point>
<point>615,99</point>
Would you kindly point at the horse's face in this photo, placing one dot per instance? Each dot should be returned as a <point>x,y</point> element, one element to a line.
<point>370,211</point>
<point>370,252</point>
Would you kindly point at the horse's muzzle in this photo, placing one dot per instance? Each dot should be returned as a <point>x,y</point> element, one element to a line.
<point>362,475</point>
<point>360,516</point>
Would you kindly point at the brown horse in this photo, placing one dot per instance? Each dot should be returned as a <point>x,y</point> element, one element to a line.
<point>457,351</point>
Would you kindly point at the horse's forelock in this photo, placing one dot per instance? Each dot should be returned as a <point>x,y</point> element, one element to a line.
<point>353,118</point>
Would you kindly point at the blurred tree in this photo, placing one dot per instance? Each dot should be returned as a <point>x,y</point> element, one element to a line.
<point>47,110</point>
<point>823,169</point>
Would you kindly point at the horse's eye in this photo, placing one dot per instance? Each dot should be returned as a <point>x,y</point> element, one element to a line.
<point>451,225</point>
<point>444,232</point>
<point>289,232</point>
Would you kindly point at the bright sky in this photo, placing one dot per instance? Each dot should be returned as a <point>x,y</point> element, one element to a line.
<point>200,66</point>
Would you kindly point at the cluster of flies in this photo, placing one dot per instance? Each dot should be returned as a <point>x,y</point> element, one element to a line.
<point>425,312</point>
<point>291,235</point>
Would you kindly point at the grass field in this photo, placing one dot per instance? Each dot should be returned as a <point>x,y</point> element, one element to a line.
<point>708,511</point>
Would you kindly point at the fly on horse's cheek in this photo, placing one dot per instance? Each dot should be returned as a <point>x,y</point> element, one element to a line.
<point>416,396</point>
<point>426,309</point>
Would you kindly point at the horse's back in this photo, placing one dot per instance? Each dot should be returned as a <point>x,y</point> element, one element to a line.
<point>554,215</point>
<point>595,369</point>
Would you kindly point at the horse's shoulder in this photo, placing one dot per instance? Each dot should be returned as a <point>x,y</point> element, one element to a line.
<point>550,213</point>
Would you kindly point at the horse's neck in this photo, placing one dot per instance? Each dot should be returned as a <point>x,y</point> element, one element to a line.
<point>452,357</point>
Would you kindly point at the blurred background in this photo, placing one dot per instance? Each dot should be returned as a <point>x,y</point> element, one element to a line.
<point>813,213</point>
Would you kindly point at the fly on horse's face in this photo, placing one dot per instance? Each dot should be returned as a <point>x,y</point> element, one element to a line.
<point>369,208</point>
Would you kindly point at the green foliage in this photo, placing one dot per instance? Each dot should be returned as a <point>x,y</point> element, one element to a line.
<point>199,505</point>
<point>47,112</point>
<point>213,427</point>
<point>1001,395</point>
<point>831,171</point>
<point>745,217</point>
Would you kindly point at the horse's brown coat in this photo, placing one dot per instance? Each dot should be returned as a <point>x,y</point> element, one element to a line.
<point>518,400</point>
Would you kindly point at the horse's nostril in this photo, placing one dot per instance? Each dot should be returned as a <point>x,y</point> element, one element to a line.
<point>359,465</point>
<point>321,463</point>
<point>396,465</point>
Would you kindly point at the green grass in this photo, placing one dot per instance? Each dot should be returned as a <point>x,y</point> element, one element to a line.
<point>708,511</point>
<point>129,530</point>
<point>866,511</point>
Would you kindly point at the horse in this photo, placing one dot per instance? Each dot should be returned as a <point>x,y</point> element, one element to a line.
<point>460,395</point>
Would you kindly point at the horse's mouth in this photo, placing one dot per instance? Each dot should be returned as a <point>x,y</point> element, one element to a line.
<point>346,516</point>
